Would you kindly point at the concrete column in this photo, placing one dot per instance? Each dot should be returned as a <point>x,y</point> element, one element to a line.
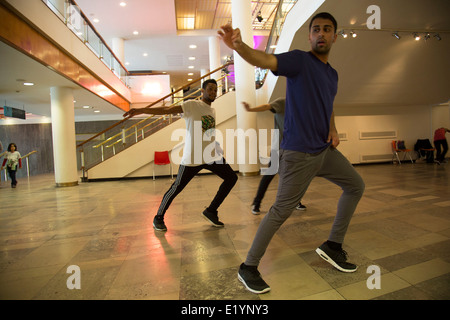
<point>118,48</point>
<point>214,56</point>
<point>245,88</point>
<point>64,142</point>
<point>119,52</point>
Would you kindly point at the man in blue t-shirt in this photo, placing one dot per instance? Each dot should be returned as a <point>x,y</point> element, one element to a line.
<point>309,143</point>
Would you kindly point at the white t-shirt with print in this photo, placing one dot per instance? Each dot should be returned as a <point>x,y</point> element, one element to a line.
<point>200,144</point>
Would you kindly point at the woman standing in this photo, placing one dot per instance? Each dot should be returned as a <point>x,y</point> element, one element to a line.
<point>12,159</point>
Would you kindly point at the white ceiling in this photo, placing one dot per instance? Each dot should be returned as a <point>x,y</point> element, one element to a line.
<point>374,68</point>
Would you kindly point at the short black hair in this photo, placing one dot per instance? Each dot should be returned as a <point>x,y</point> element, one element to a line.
<point>324,15</point>
<point>208,81</point>
<point>10,145</point>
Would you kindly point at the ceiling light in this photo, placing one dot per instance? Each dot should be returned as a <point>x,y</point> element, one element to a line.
<point>96,20</point>
<point>189,80</point>
<point>353,34</point>
<point>145,54</point>
<point>395,34</point>
<point>123,4</point>
<point>191,67</point>
<point>427,36</point>
<point>86,107</point>
<point>191,58</point>
<point>416,36</point>
<point>28,84</point>
<point>342,33</point>
<point>192,46</point>
<point>135,33</point>
<point>190,74</point>
<point>438,37</point>
<point>186,23</point>
<point>97,111</point>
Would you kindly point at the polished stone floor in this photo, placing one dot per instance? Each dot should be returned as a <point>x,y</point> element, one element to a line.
<point>401,227</point>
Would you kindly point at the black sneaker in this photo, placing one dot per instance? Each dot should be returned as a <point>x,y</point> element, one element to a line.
<point>212,218</point>
<point>255,209</point>
<point>158,223</point>
<point>251,278</point>
<point>300,206</point>
<point>337,258</point>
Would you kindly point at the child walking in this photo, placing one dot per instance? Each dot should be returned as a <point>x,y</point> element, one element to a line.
<point>12,160</point>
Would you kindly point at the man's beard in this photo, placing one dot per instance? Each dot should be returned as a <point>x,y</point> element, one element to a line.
<point>321,50</point>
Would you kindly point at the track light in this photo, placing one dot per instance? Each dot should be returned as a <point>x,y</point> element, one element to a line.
<point>395,34</point>
<point>353,34</point>
<point>259,17</point>
<point>416,36</point>
<point>343,34</point>
<point>427,36</point>
<point>438,37</point>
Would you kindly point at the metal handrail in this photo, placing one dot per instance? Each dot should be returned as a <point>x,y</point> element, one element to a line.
<point>24,157</point>
<point>120,135</point>
<point>135,125</point>
<point>154,103</point>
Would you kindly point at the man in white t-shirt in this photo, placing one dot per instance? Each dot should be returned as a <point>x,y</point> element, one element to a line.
<point>200,126</point>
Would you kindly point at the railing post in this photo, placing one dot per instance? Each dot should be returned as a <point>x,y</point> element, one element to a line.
<point>83,170</point>
<point>28,167</point>
<point>124,136</point>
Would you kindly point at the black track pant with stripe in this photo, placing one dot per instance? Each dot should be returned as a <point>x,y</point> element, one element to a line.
<point>186,173</point>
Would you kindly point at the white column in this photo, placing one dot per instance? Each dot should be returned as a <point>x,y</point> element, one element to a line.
<point>245,84</point>
<point>214,56</point>
<point>119,52</point>
<point>64,142</point>
<point>202,73</point>
<point>118,48</point>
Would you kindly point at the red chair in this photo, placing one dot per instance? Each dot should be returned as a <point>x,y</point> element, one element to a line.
<point>161,159</point>
<point>399,146</point>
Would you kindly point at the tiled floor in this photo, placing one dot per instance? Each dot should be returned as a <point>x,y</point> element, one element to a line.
<point>401,226</point>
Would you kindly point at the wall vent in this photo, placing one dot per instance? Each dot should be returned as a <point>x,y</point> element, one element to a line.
<point>376,158</point>
<point>367,135</point>
<point>342,136</point>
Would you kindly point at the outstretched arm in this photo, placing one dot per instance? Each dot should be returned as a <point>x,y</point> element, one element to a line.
<point>232,38</point>
<point>260,108</point>
<point>156,110</point>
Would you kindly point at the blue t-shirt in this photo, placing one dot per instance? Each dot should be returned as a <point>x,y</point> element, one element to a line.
<point>310,92</point>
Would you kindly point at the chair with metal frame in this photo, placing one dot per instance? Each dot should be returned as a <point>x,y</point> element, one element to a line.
<point>162,158</point>
<point>399,147</point>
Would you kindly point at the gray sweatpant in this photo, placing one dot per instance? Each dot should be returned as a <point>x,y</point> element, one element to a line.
<point>297,169</point>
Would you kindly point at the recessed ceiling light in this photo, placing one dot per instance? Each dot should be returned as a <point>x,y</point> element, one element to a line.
<point>192,46</point>
<point>29,84</point>
<point>97,111</point>
<point>190,74</point>
<point>123,4</point>
<point>145,54</point>
<point>96,20</point>
<point>189,79</point>
<point>86,107</point>
<point>191,58</point>
<point>191,67</point>
<point>135,33</point>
